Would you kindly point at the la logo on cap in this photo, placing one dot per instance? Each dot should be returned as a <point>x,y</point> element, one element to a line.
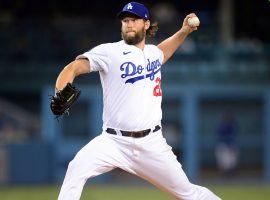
<point>129,6</point>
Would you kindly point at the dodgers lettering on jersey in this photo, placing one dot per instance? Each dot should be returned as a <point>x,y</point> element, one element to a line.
<point>131,82</point>
<point>130,69</point>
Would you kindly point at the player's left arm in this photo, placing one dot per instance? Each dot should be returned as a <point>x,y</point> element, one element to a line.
<point>169,45</point>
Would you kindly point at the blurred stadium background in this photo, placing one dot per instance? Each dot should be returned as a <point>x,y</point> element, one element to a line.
<point>216,92</point>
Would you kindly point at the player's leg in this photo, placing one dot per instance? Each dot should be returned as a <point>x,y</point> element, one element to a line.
<point>97,157</point>
<point>158,165</point>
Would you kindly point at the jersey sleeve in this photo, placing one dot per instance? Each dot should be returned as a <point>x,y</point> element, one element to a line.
<point>161,55</point>
<point>98,58</point>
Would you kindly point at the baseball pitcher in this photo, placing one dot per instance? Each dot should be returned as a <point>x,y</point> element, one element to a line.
<point>130,73</point>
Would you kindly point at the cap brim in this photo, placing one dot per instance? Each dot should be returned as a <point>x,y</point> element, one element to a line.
<point>122,14</point>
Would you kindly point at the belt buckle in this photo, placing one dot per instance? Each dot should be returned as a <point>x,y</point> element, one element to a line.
<point>132,134</point>
<point>136,134</point>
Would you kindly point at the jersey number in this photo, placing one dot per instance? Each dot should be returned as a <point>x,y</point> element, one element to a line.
<point>157,89</point>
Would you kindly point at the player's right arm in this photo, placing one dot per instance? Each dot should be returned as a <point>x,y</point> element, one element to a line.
<point>94,60</point>
<point>72,70</point>
<point>170,45</point>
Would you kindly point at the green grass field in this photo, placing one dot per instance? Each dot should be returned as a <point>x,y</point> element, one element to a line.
<point>129,193</point>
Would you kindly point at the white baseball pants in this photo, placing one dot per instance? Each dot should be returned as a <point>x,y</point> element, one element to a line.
<point>149,157</point>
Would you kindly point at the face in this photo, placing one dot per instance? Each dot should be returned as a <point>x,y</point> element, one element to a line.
<point>134,30</point>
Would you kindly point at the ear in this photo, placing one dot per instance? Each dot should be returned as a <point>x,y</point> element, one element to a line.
<point>147,24</point>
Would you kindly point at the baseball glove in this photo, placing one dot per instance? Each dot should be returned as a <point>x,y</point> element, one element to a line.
<point>64,99</point>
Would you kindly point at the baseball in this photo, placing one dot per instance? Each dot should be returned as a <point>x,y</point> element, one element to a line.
<point>193,21</point>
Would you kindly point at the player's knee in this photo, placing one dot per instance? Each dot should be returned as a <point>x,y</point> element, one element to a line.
<point>74,163</point>
<point>196,192</point>
<point>71,166</point>
<point>180,189</point>
<point>186,193</point>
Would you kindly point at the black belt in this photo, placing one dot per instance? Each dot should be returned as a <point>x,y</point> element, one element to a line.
<point>135,134</point>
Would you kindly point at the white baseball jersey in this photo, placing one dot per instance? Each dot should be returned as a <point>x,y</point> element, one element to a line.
<point>131,81</point>
<point>132,101</point>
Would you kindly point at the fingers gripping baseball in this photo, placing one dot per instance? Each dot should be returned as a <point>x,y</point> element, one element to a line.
<point>191,22</point>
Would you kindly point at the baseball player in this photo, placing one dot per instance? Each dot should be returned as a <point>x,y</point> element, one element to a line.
<point>130,73</point>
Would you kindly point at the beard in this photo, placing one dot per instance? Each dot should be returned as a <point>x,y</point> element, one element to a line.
<point>133,40</point>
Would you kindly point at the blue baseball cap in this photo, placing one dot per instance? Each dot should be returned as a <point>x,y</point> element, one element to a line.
<point>135,8</point>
